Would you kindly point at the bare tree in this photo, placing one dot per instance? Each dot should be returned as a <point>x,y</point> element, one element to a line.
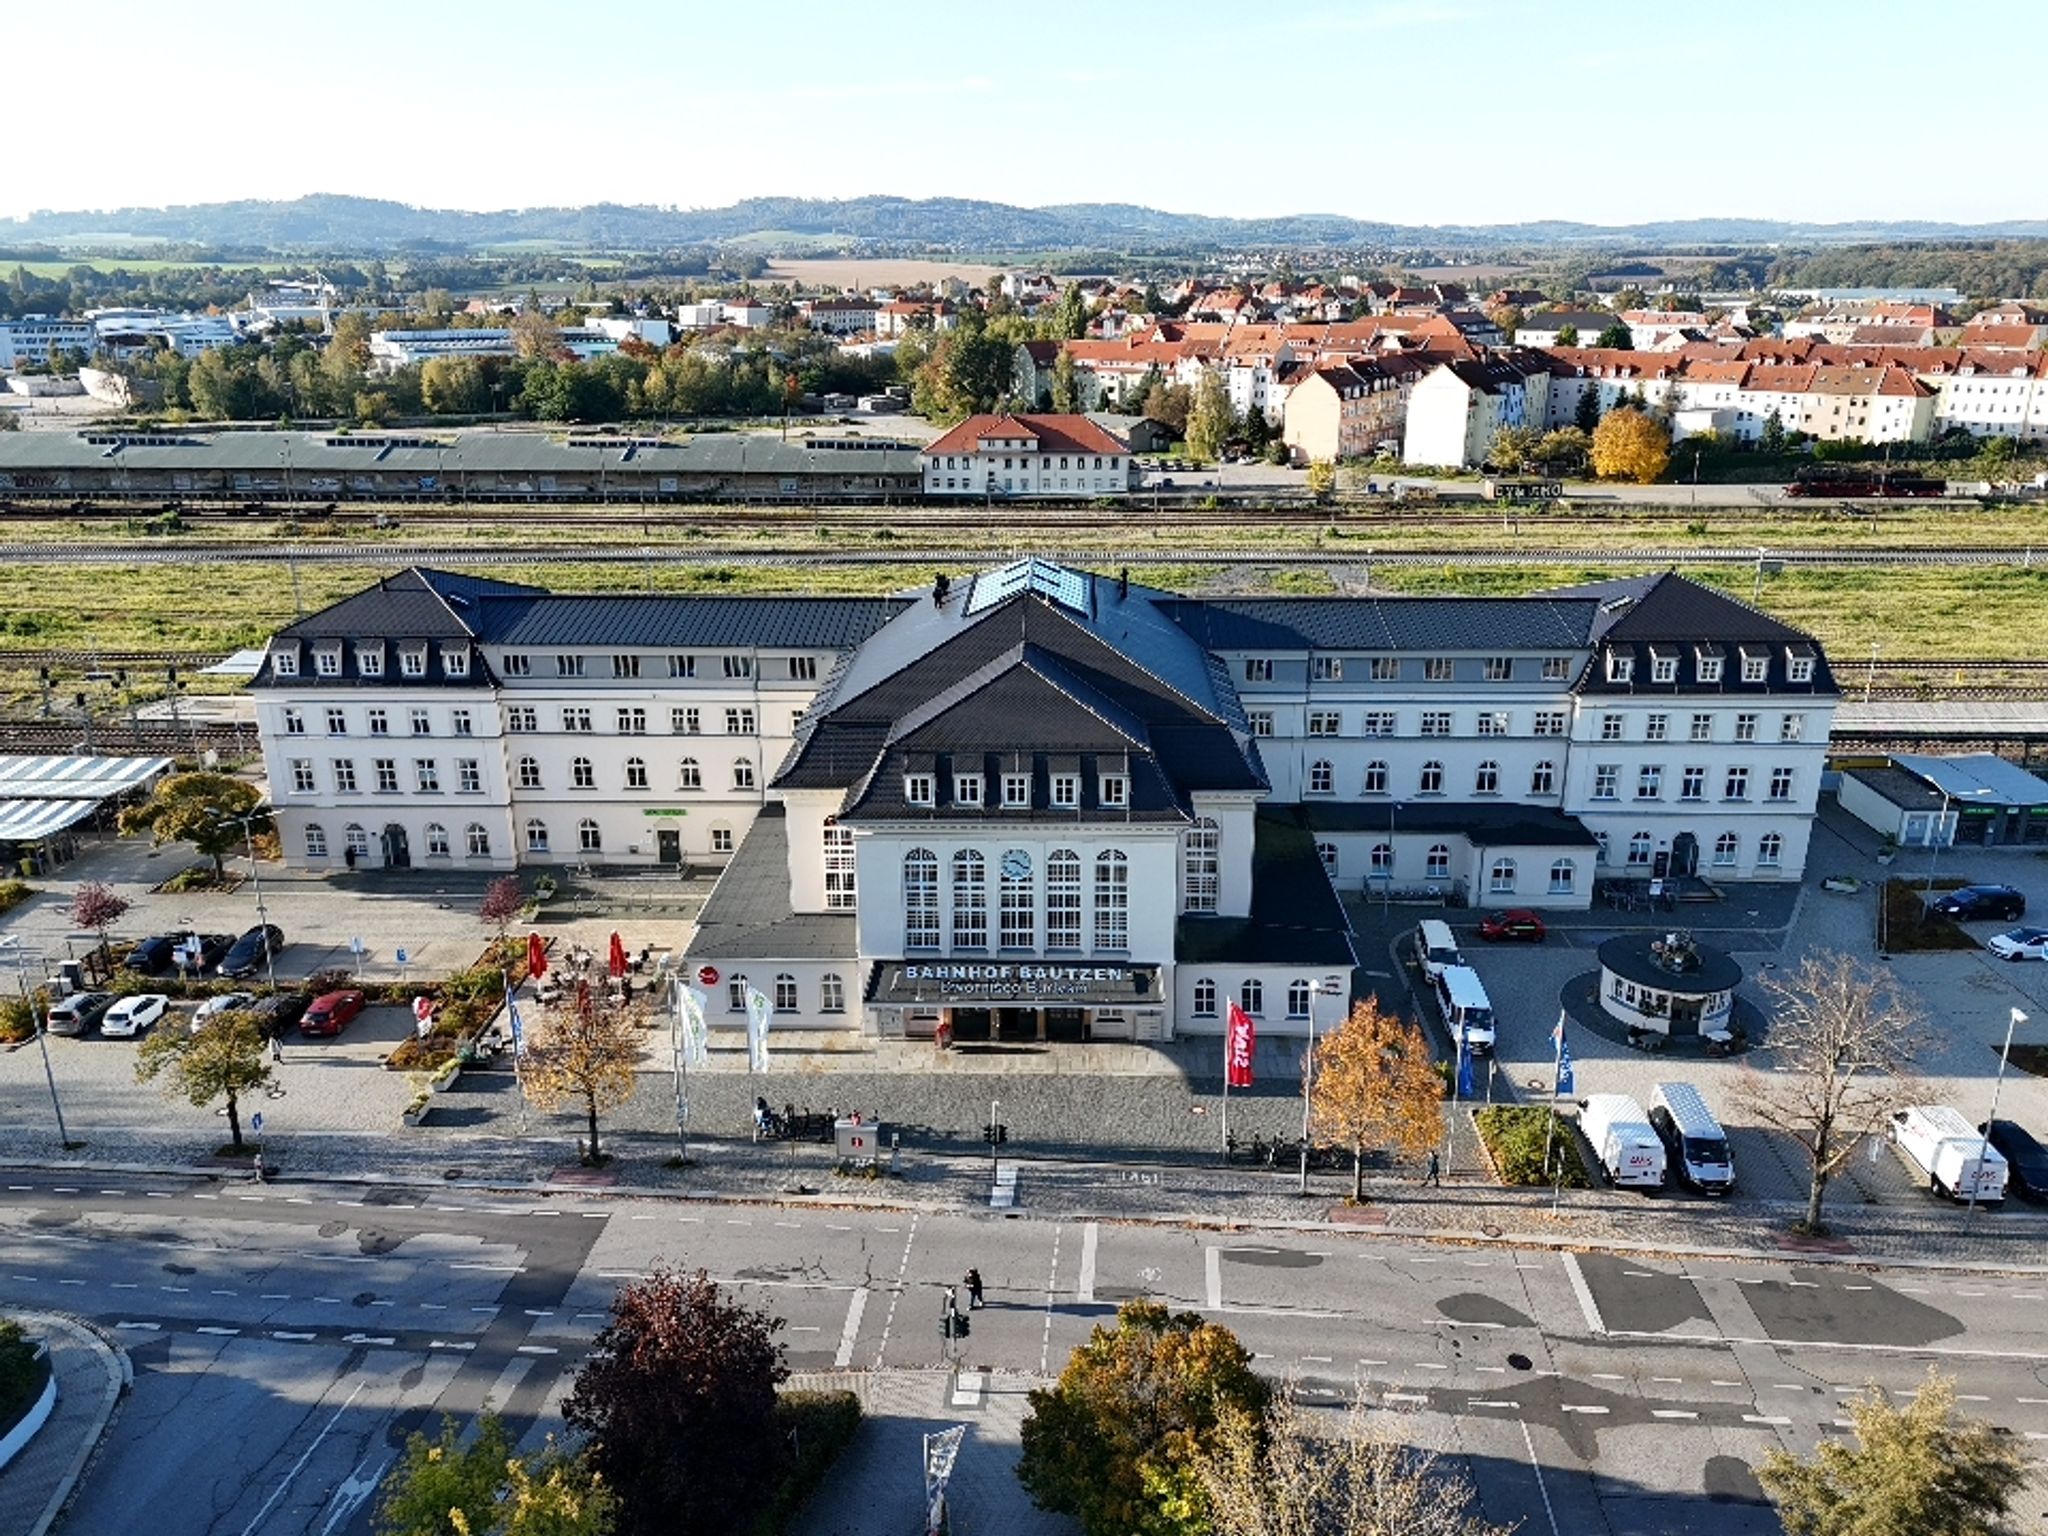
<point>1293,1473</point>
<point>1842,1052</point>
<point>585,1058</point>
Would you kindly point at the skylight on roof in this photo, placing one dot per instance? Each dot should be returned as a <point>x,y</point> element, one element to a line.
<point>1054,582</point>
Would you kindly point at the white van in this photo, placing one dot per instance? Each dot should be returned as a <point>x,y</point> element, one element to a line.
<point>1468,1012</point>
<point>1951,1152</point>
<point>1436,948</point>
<point>1619,1132</point>
<point>1695,1146</point>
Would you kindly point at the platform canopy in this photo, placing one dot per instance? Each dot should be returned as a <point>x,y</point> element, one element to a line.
<point>41,796</point>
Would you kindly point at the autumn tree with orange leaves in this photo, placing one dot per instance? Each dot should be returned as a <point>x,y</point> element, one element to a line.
<point>1375,1086</point>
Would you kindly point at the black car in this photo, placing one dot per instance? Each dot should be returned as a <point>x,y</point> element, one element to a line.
<point>278,1015</point>
<point>2026,1159</point>
<point>212,946</point>
<point>247,956</point>
<point>153,956</point>
<point>1974,902</point>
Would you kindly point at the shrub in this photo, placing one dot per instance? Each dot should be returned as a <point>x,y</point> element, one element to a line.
<point>17,1022</point>
<point>13,893</point>
<point>413,1054</point>
<point>819,1424</point>
<point>1514,1135</point>
<point>22,1371</point>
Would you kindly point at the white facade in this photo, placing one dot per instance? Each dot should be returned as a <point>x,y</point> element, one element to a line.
<point>30,340</point>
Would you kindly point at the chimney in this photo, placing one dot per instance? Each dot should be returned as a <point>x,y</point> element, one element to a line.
<point>940,586</point>
<point>1123,583</point>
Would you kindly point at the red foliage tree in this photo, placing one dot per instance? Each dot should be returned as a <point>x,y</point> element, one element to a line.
<point>97,907</point>
<point>503,901</point>
<point>678,1401</point>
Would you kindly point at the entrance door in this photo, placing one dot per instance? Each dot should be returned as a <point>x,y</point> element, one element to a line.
<point>1685,854</point>
<point>397,849</point>
<point>971,1023</point>
<point>668,845</point>
<point>1685,1015</point>
<point>1068,1024</point>
<point>1017,1024</point>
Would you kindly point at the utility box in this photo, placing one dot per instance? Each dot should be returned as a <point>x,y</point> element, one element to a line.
<point>857,1141</point>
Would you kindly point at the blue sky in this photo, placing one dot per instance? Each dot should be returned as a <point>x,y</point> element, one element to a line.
<point>1417,111</point>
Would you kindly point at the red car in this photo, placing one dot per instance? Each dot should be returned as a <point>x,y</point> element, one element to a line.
<point>329,1013</point>
<point>1515,923</point>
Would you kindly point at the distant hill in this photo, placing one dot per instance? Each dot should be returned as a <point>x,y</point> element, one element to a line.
<point>328,222</point>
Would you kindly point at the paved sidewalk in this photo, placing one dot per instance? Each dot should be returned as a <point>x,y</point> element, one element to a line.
<point>91,1375</point>
<point>877,1486</point>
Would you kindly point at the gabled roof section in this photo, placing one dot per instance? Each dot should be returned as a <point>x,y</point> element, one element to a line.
<point>417,603</point>
<point>1025,683</point>
<point>1667,606</point>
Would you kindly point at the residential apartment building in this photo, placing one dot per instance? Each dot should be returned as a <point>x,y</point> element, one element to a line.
<point>392,350</point>
<point>1455,410</point>
<point>31,340</point>
<point>1027,455</point>
<point>1351,409</point>
<point>839,317</point>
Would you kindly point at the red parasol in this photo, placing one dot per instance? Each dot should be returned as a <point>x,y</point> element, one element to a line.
<point>618,959</point>
<point>536,956</point>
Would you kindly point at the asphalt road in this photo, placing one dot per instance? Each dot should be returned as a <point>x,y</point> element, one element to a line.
<point>287,1338</point>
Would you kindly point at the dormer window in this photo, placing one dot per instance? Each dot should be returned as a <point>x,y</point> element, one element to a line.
<point>1016,791</point>
<point>1663,665</point>
<point>455,661</point>
<point>1621,667</point>
<point>1066,791</point>
<point>1756,665</point>
<point>370,660</point>
<point>1707,664</point>
<point>1798,667</point>
<point>919,789</point>
<point>327,661</point>
<point>967,789</point>
<point>1327,669</point>
<point>1116,791</point>
<point>412,661</point>
<point>284,663</point>
<point>568,666</point>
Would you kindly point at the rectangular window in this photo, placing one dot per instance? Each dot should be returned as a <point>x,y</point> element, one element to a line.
<point>1116,791</point>
<point>1063,902</point>
<point>421,726</point>
<point>1702,727</point>
<point>1386,669</point>
<point>1799,669</point>
<point>739,722</point>
<point>1707,666</point>
<point>1792,728</point>
<point>1497,669</point>
<point>1613,727</point>
<point>1016,790</point>
<point>387,774</point>
<point>1436,722</point>
<point>688,721</point>
<point>370,660</point>
<point>1549,722</point>
<point>1493,722</point>
<point>284,663</point>
<point>803,669</point>
<point>1781,783</point>
<point>1324,722</point>
<point>1327,669</point>
<point>426,775</point>
<point>738,666</point>
<point>1650,781</point>
<point>1557,669</point>
<point>460,720</point>
<point>568,666</point>
<point>469,777</point>
<point>1066,791</point>
<point>1663,669</point>
<point>522,719</point>
<point>344,776</point>
<point>1745,727</point>
<point>1620,668</point>
<point>1380,722</point>
<point>633,722</point>
<point>967,789</point>
<point>1437,669</point>
<point>327,661</point>
<point>412,662</point>
<point>380,723</point>
<point>625,666</point>
<point>1738,784</point>
<point>1261,721</point>
<point>576,721</point>
<point>1692,784</point>
<point>1756,666</point>
<point>682,666</point>
<point>1605,776</point>
<point>302,776</point>
<point>455,660</point>
<point>517,664</point>
<point>294,722</point>
<point>1258,669</point>
<point>919,789</point>
<point>1655,727</point>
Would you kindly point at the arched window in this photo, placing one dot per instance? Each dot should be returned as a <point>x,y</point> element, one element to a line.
<point>1112,900</point>
<point>581,774</point>
<point>1543,779</point>
<point>1724,848</point>
<point>736,994</point>
<point>529,773</point>
<point>1322,778</point>
<point>920,899</point>
<point>1432,780</point>
<point>1297,998</point>
<point>1017,901</point>
<point>743,773</point>
<point>1201,866</point>
<point>1327,852</point>
<point>839,893</point>
<point>785,993</point>
<point>970,900</point>
<point>1439,865</point>
<point>636,773</point>
<point>1063,900</point>
<point>1770,850</point>
<point>1251,997</point>
<point>1375,778</point>
<point>1640,847</point>
<point>316,840</point>
<point>536,835</point>
<point>437,839</point>
<point>1502,879</point>
<point>689,774</point>
<point>356,840</point>
<point>831,994</point>
<point>1486,779</point>
<point>588,836</point>
<point>1563,875</point>
<point>1205,998</point>
<point>478,839</point>
<point>1383,860</point>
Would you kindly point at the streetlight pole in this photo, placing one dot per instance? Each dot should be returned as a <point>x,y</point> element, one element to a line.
<point>2013,1022</point>
<point>260,813</point>
<point>1329,986</point>
<point>40,1020</point>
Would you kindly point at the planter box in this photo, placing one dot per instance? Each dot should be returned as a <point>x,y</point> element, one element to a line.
<point>441,1083</point>
<point>416,1117</point>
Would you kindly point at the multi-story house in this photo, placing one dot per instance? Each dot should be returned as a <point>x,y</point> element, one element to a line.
<point>31,340</point>
<point>1020,455</point>
<point>1343,410</point>
<point>1455,410</point>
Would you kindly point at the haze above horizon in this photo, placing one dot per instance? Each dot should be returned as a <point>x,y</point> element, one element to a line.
<point>1451,111</point>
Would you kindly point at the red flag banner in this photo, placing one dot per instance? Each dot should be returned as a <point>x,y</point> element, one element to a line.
<point>1240,1035</point>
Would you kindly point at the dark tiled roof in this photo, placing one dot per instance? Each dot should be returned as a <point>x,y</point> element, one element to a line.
<point>1668,611</point>
<point>1485,823</point>
<point>544,619</point>
<point>414,604</point>
<point>1541,622</point>
<point>1296,918</point>
<point>748,916</point>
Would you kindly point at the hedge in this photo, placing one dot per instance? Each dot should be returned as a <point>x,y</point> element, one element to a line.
<point>22,1373</point>
<point>1514,1135</point>
<point>816,1427</point>
<point>13,893</point>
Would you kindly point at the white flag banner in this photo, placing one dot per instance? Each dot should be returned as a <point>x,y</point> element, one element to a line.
<point>758,1014</point>
<point>696,1030</point>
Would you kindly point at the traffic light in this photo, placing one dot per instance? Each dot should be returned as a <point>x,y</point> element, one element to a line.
<point>995,1135</point>
<point>952,1325</point>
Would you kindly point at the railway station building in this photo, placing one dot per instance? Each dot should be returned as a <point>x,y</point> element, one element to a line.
<point>1046,803</point>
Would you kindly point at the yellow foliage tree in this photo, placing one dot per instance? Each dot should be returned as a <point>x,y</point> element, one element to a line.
<point>1375,1086</point>
<point>586,1058</point>
<point>1630,445</point>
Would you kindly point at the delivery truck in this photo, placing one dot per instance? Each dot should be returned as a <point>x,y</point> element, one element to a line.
<point>1623,1141</point>
<point>1951,1152</point>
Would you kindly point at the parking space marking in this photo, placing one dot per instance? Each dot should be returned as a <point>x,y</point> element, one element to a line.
<point>1584,1292</point>
<point>1549,1514</point>
<point>1672,1413</point>
<point>1765,1418</point>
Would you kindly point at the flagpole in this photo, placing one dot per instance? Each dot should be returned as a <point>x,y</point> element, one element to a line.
<point>1457,1081</point>
<point>1556,1073</point>
<point>518,1047</point>
<point>675,1035</point>
<point>1226,1090</point>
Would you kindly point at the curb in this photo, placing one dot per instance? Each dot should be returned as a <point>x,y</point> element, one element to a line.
<point>120,1376</point>
<point>1449,1236</point>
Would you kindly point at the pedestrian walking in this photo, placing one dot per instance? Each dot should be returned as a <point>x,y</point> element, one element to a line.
<point>277,1048</point>
<point>1436,1171</point>
<point>973,1289</point>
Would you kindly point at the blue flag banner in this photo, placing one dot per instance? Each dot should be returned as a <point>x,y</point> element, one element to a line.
<point>1562,1085</point>
<point>1467,1087</point>
<point>517,1027</point>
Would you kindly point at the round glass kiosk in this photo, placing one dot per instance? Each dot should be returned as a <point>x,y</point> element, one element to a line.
<point>1668,984</point>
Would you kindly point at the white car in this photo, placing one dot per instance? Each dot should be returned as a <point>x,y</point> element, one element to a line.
<point>2017,944</point>
<point>214,1007</point>
<point>132,1015</point>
